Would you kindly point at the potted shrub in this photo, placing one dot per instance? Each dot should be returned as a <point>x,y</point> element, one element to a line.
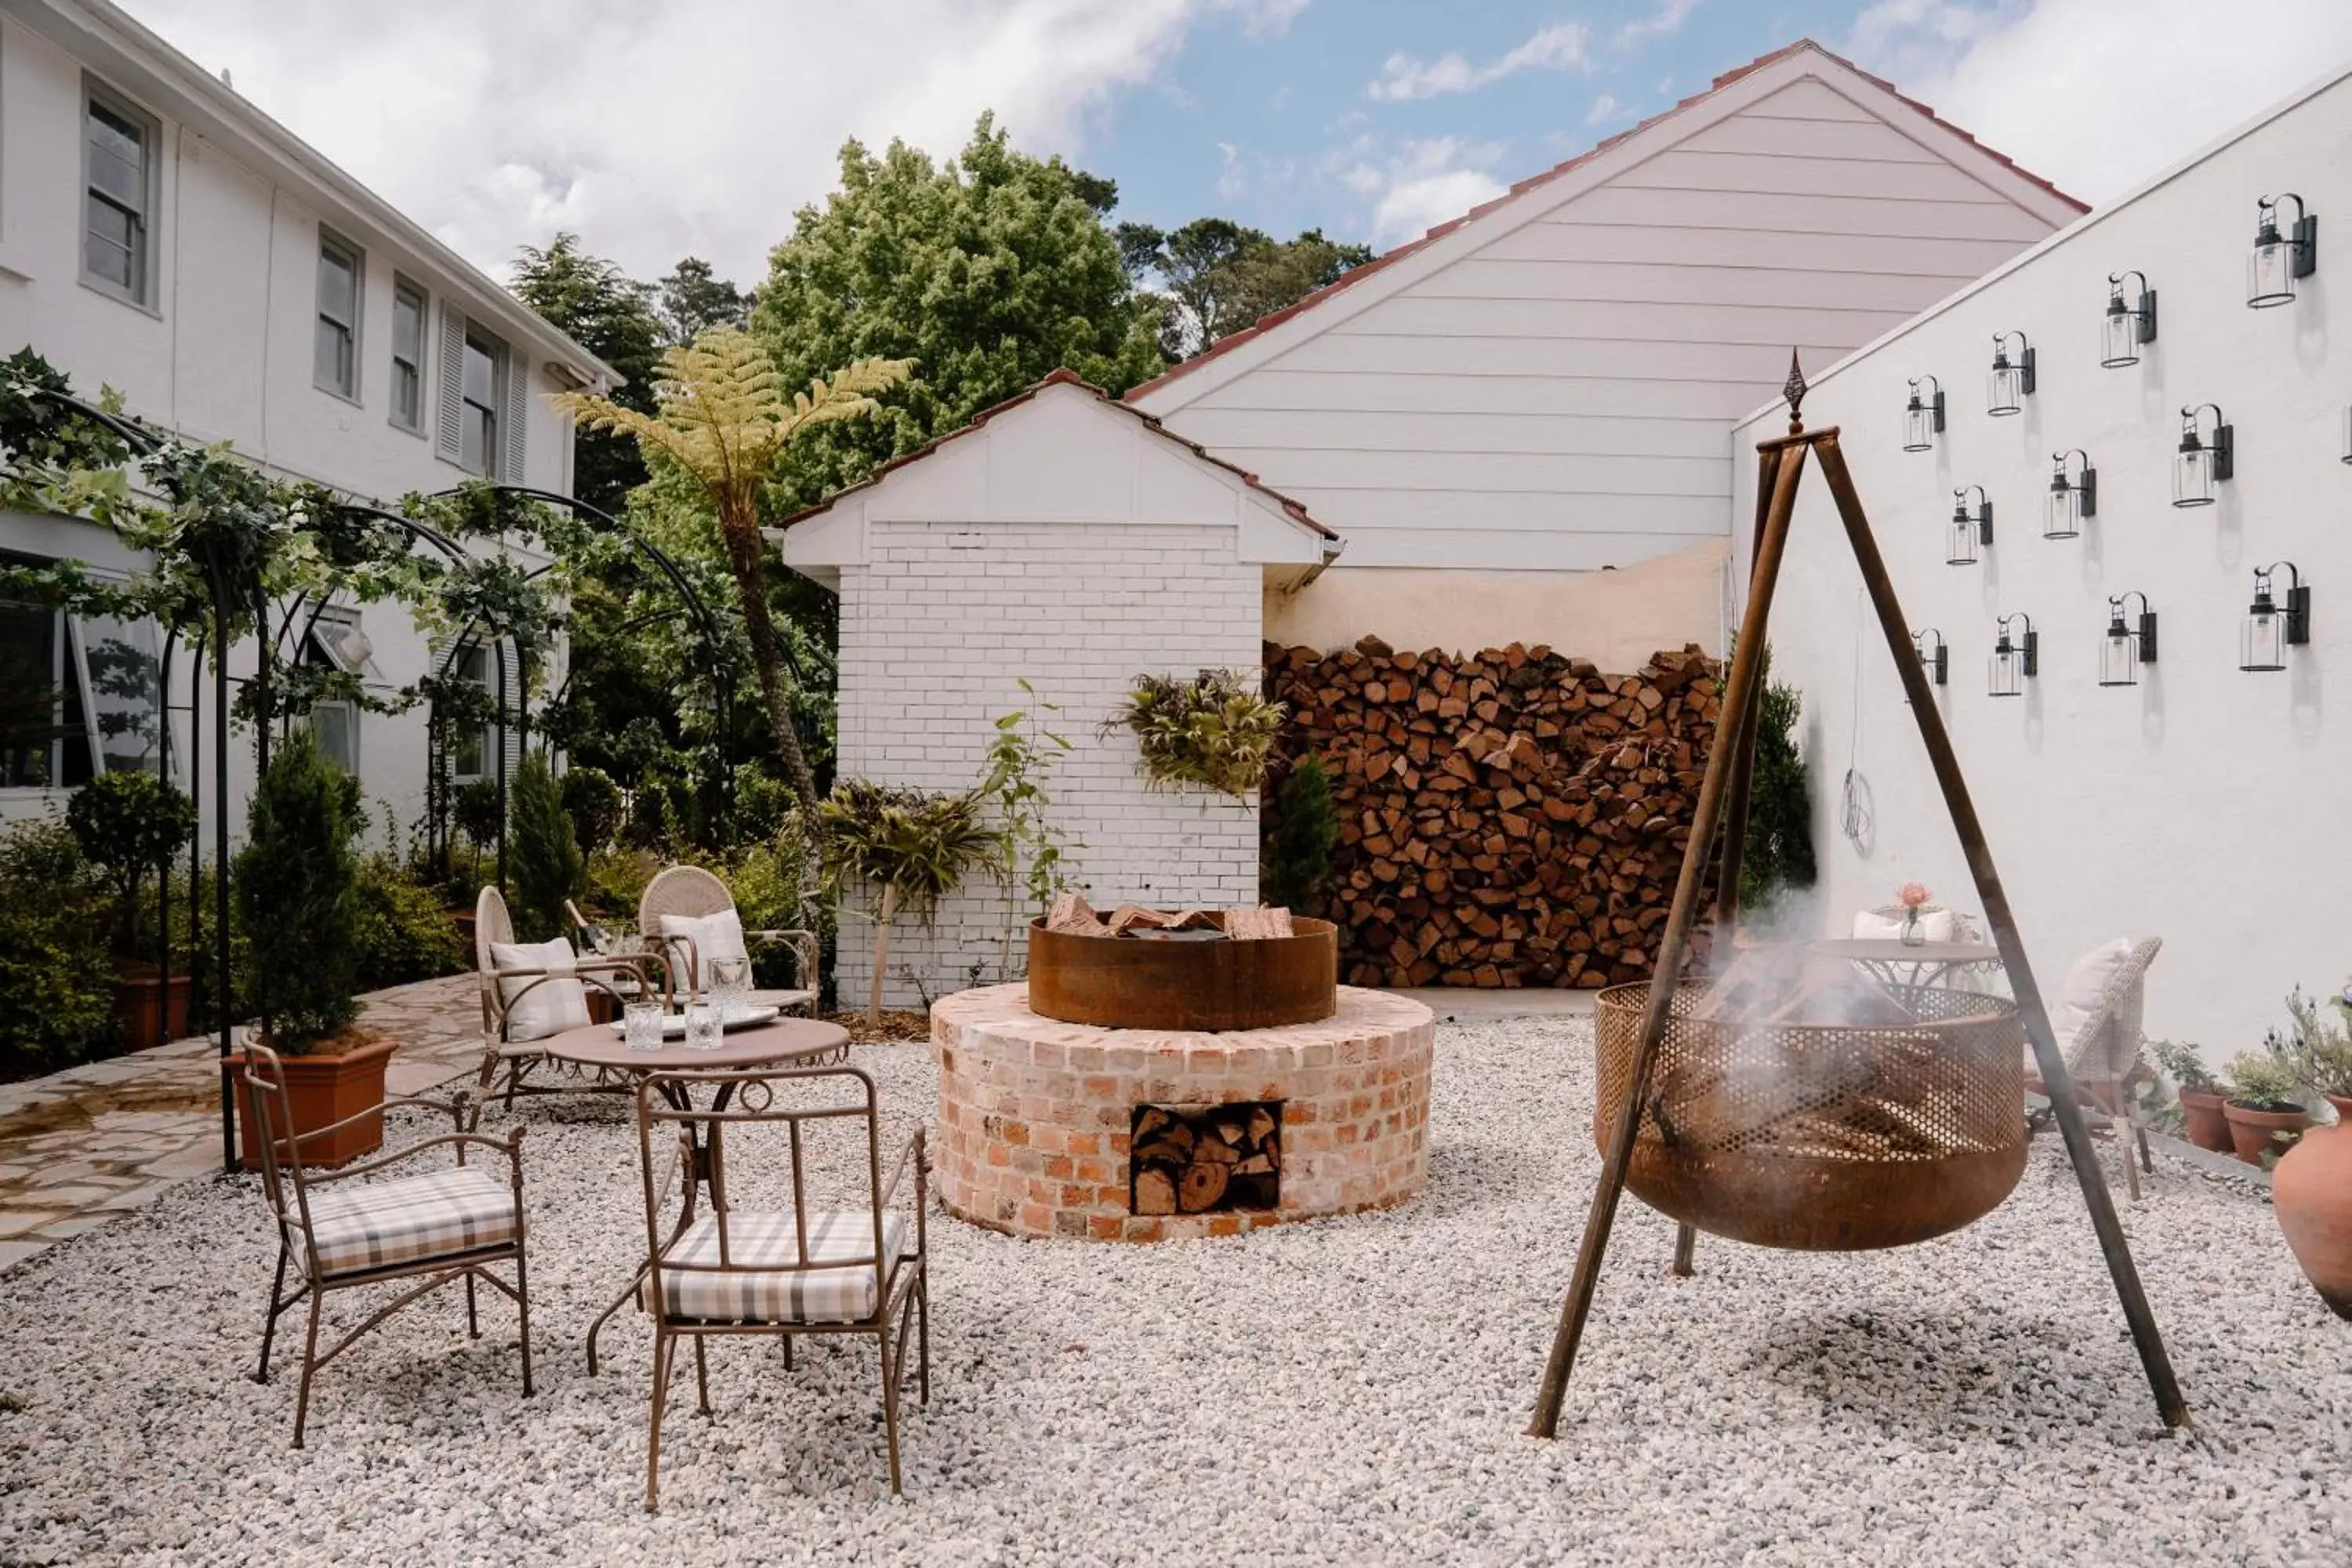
<point>128,825</point>
<point>2260,1104</point>
<point>2199,1091</point>
<point>298,898</point>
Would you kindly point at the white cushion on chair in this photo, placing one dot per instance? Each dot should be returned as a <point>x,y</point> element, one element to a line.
<point>2085,988</point>
<point>409,1221</point>
<point>714,936</point>
<point>763,1282</point>
<point>537,1007</point>
<point>1936,925</point>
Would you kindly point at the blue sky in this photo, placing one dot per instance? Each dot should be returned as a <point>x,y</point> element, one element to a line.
<point>700,126</point>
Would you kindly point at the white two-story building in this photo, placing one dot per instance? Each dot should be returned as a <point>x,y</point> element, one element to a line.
<point>162,236</point>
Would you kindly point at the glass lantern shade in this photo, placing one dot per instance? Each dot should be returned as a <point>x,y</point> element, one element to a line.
<point>2262,641</point>
<point>2270,270</point>
<point>2192,474</point>
<point>1961,548</point>
<point>2004,388</point>
<point>2118,656</point>
<point>2118,337</point>
<point>2061,516</point>
<point>1919,431</point>
<point>2007,675</point>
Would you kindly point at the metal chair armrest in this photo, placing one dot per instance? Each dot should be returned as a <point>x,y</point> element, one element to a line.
<point>909,1157</point>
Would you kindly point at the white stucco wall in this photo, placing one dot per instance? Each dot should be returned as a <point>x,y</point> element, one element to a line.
<point>2207,805</point>
<point>1063,541</point>
<point>223,349</point>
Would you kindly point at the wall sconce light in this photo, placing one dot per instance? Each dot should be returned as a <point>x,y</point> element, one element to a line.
<point>2270,630</point>
<point>2347,435</point>
<point>1922,418</point>
<point>2015,662</point>
<point>2201,464</point>
<point>2011,380</point>
<point>2127,326</point>
<point>1970,528</point>
<point>1934,658</point>
<point>2279,259</point>
<point>2072,498</point>
<point>2122,651</point>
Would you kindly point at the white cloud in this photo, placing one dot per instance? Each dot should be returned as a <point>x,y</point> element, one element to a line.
<point>697,126</point>
<point>1560,46</point>
<point>1424,182</point>
<point>1666,19</point>
<point>1231,180</point>
<point>2098,95</point>
<point>1604,108</point>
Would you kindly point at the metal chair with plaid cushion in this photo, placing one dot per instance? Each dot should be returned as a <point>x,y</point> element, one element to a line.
<point>781,1263</point>
<point>339,1232</point>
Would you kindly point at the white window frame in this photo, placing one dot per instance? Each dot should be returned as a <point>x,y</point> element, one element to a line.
<point>334,623</point>
<point>70,649</point>
<point>142,293</point>
<point>331,244</point>
<point>501,359</point>
<point>403,288</point>
<point>491,739</point>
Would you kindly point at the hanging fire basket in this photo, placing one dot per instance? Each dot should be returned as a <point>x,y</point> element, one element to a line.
<point>1822,1138</point>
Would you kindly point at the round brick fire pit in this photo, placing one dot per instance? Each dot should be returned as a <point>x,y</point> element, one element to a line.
<point>1050,1129</point>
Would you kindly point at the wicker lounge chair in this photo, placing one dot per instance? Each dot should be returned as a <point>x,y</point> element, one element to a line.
<point>2100,1034</point>
<point>524,1002</point>
<point>690,893</point>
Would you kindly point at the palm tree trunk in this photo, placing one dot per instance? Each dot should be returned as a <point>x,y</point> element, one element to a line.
<point>743,558</point>
<point>881,955</point>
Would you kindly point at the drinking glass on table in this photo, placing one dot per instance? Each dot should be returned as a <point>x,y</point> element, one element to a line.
<point>702,1027</point>
<point>730,981</point>
<point>641,1025</point>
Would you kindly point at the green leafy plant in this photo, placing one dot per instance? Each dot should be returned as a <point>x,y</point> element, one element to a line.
<point>1778,852</point>
<point>403,933</point>
<point>1306,830</point>
<point>2319,1046</point>
<point>297,887</point>
<point>2184,1065</point>
<point>54,919</point>
<point>912,848</point>
<point>2261,1080</point>
<point>592,801</point>
<point>129,824</point>
<point>764,803</point>
<point>480,815</point>
<point>1020,758</point>
<point>1214,729</point>
<point>543,867</point>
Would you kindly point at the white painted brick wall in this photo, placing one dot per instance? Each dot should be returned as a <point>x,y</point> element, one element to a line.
<point>938,630</point>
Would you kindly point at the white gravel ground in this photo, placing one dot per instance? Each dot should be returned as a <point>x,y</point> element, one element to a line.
<point>1344,1391</point>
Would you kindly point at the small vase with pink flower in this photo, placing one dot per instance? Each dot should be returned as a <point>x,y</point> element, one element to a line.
<point>1914,898</point>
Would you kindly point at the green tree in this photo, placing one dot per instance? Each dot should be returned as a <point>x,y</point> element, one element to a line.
<point>991,270</point>
<point>612,316</point>
<point>1779,849</point>
<point>691,300</point>
<point>1306,831</point>
<point>545,865</point>
<point>1220,276</point>
<point>297,888</point>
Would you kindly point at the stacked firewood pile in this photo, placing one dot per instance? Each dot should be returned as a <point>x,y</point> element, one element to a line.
<point>1511,819</point>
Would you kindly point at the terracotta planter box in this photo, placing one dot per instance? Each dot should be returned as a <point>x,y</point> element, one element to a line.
<point>2250,1130</point>
<point>324,1090</point>
<point>148,1012</point>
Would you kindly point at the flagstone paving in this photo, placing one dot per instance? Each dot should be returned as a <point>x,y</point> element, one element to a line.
<point>87,1145</point>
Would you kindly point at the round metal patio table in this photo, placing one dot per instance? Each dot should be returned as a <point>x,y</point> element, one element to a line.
<point>1892,962</point>
<point>786,1042</point>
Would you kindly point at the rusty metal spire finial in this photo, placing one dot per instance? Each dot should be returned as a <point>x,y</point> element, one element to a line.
<point>1794,390</point>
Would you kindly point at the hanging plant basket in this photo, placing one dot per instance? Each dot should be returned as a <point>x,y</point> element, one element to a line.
<point>1214,730</point>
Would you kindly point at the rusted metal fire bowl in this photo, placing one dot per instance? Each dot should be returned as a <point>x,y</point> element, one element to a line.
<point>1822,1138</point>
<point>1126,982</point>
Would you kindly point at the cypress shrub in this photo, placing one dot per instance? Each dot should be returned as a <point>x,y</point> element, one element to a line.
<point>1306,829</point>
<point>1778,852</point>
<point>543,859</point>
<point>297,900</point>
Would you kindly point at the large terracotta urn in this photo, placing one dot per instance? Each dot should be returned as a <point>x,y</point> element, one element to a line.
<point>2311,1191</point>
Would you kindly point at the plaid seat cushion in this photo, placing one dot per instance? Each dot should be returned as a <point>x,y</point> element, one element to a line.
<point>763,1282</point>
<point>410,1220</point>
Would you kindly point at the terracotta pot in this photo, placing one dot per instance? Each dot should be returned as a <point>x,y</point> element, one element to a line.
<point>2311,1193</point>
<point>146,1011</point>
<point>321,1091</point>
<point>2251,1129</point>
<point>2200,1112</point>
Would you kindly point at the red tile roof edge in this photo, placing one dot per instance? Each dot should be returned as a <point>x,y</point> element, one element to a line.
<point>1234,340</point>
<point>1296,510</point>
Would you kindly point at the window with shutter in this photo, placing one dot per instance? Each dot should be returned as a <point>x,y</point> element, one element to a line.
<point>449,391</point>
<point>515,418</point>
